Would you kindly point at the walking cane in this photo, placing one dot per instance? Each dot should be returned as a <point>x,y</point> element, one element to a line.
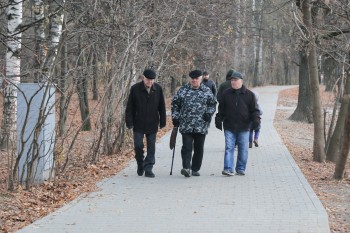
<point>172,146</point>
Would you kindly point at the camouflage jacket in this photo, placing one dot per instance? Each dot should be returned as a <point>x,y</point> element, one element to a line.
<point>189,105</point>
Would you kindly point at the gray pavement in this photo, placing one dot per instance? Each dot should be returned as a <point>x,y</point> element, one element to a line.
<point>273,196</point>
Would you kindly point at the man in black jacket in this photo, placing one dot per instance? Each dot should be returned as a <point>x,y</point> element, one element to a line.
<point>225,85</point>
<point>145,110</point>
<point>237,108</point>
<point>209,83</point>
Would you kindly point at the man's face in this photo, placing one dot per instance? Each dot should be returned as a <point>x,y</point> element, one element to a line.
<point>148,82</point>
<point>206,77</point>
<point>196,82</point>
<point>236,83</point>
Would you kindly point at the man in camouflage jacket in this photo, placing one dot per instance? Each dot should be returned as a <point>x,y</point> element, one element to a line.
<point>192,109</point>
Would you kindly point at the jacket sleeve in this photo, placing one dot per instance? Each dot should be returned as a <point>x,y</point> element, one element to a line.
<point>213,89</point>
<point>176,106</point>
<point>211,104</point>
<point>162,110</point>
<point>221,109</point>
<point>129,111</point>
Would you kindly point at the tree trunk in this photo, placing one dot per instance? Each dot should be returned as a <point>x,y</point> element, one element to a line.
<point>319,140</point>
<point>330,73</point>
<point>335,141</point>
<point>286,70</point>
<point>82,87</point>
<point>62,84</point>
<point>95,77</point>
<point>8,138</point>
<point>303,112</point>
<point>173,86</point>
<point>54,38</point>
<point>40,40</point>
<point>341,161</point>
<point>258,45</point>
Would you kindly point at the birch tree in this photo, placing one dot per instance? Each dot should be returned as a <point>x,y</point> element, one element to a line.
<point>55,31</point>
<point>9,84</point>
<point>13,72</point>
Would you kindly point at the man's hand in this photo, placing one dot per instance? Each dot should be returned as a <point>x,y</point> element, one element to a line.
<point>206,117</point>
<point>176,122</point>
<point>218,123</point>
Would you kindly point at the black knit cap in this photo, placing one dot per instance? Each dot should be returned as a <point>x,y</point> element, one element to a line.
<point>236,75</point>
<point>229,73</point>
<point>150,74</point>
<point>205,73</point>
<point>195,73</point>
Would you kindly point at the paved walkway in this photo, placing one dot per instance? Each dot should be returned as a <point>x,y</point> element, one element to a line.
<point>273,197</point>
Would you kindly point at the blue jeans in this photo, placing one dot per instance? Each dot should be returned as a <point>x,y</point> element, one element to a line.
<point>150,160</point>
<point>256,133</point>
<point>242,156</point>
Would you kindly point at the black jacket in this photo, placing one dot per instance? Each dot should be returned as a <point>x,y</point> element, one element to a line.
<point>222,87</point>
<point>144,112</point>
<point>210,83</point>
<point>237,108</point>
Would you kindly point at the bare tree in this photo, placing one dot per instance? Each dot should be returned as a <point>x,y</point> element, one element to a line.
<point>341,162</point>
<point>319,140</point>
<point>336,143</point>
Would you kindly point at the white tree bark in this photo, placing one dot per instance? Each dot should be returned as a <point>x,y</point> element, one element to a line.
<point>13,71</point>
<point>55,32</point>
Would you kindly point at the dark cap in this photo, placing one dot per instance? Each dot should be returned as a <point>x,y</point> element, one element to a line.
<point>236,75</point>
<point>205,73</point>
<point>229,73</point>
<point>195,74</point>
<point>150,74</point>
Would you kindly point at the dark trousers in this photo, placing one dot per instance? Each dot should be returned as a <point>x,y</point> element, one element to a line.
<point>150,160</point>
<point>193,141</point>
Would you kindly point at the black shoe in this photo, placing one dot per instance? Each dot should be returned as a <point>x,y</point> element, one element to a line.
<point>256,143</point>
<point>149,174</point>
<point>194,173</point>
<point>250,145</point>
<point>185,172</point>
<point>140,170</point>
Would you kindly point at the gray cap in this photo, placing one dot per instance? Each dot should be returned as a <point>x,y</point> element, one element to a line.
<point>236,75</point>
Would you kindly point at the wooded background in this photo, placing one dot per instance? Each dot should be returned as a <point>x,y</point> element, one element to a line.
<point>96,49</point>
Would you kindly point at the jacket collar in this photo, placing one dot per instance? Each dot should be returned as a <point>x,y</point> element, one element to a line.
<point>243,89</point>
<point>142,87</point>
<point>201,86</point>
